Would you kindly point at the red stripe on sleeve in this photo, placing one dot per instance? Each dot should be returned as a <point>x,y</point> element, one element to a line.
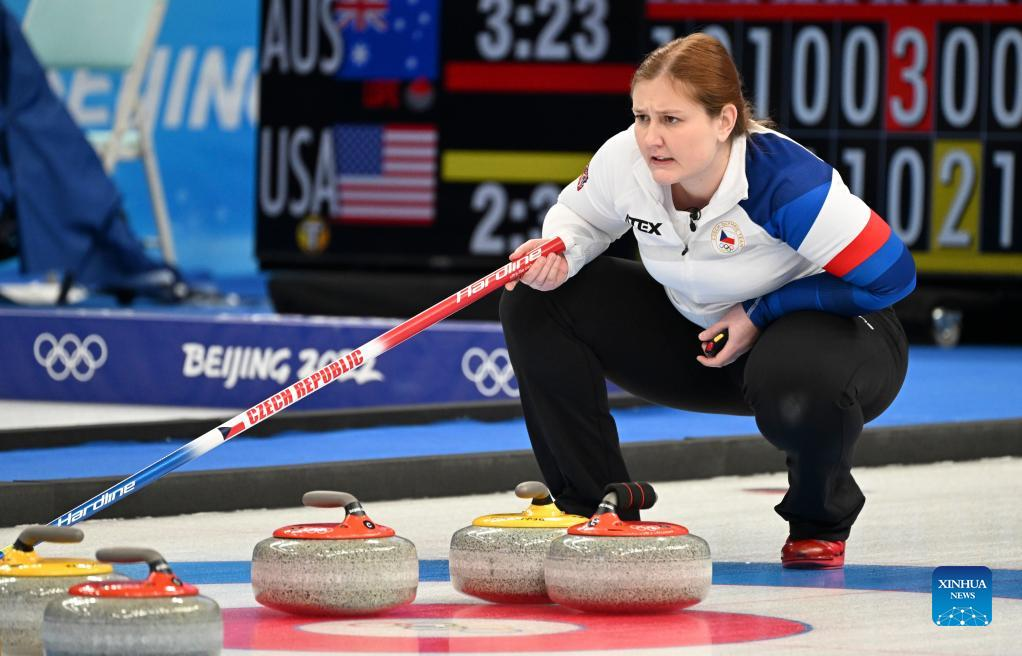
<point>869,241</point>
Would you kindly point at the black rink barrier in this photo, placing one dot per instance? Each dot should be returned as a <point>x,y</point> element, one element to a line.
<point>27,502</point>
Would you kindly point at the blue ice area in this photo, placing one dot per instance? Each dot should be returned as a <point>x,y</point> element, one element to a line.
<point>968,383</point>
<point>1006,583</point>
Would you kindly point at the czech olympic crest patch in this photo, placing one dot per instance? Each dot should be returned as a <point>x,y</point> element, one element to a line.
<point>727,238</point>
<point>583,179</point>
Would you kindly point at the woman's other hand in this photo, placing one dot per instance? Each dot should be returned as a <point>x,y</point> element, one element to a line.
<point>742,334</point>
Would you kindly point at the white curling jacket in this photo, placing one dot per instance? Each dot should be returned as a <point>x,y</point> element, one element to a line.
<point>781,233</point>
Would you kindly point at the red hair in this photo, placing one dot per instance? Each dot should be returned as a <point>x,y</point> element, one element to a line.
<point>702,65</point>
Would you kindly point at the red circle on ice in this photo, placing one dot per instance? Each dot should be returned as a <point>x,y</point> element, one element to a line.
<point>459,628</point>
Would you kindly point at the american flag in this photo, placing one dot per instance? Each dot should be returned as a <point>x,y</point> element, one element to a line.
<point>385,174</point>
<point>361,13</point>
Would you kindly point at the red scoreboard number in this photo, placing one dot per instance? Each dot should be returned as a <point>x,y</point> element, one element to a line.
<point>918,106</point>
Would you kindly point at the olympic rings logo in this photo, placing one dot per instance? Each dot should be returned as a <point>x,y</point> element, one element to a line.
<point>70,356</point>
<point>490,371</point>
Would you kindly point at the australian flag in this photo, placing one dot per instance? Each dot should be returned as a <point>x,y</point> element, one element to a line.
<point>388,39</point>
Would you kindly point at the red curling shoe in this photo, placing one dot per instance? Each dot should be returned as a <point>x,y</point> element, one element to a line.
<point>813,554</point>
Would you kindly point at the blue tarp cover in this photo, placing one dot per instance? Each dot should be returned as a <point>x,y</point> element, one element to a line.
<point>69,213</point>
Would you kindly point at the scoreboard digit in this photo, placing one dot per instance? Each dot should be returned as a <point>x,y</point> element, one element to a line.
<point>910,48</point>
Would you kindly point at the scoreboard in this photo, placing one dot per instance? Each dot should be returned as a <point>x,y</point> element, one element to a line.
<point>919,106</point>
<point>429,135</point>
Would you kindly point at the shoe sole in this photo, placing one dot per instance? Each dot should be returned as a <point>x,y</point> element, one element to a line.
<point>828,563</point>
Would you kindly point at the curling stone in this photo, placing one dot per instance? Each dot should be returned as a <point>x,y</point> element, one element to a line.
<point>500,557</point>
<point>160,615</point>
<point>613,566</point>
<point>357,567</point>
<point>28,583</point>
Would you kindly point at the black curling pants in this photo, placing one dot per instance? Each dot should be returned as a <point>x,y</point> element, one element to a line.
<point>811,380</point>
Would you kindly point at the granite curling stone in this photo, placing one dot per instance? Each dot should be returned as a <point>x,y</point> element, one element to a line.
<point>500,557</point>
<point>357,567</point>
<point>158,615</point>
<point>614,566</point>
<point>28,583</point>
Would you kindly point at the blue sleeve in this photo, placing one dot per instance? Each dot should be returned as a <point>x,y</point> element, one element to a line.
<point>848,295</point>
<point>801,200</point>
